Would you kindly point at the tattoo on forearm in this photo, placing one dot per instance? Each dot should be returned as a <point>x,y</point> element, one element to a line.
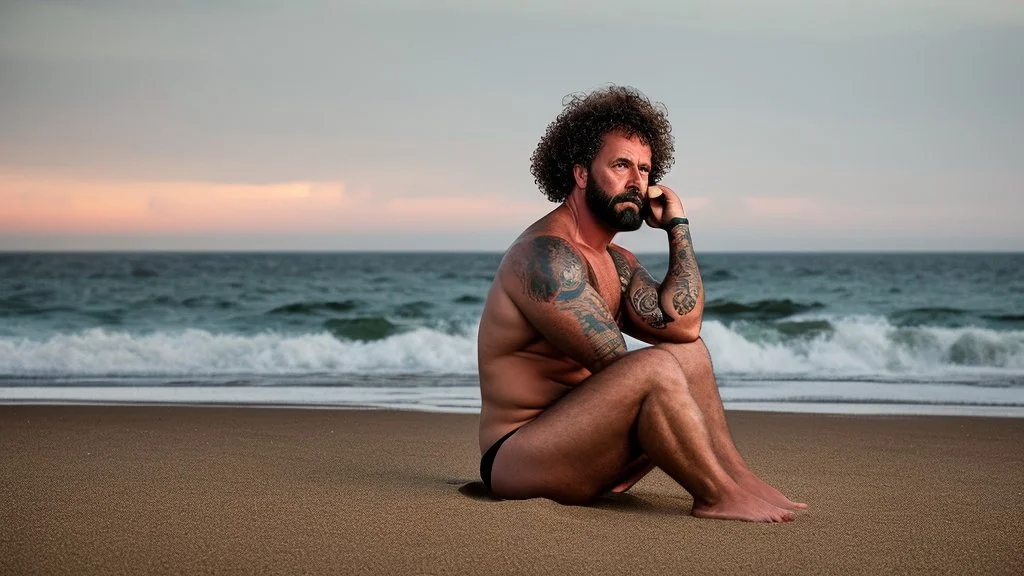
<point>683,271</point>
<point>685,299</point>
<point>555,274</point>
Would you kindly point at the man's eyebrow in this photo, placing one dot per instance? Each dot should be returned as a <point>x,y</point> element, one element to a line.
<point>627,160</point>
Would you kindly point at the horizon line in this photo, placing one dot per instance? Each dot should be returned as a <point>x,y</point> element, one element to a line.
<point>4,251</point>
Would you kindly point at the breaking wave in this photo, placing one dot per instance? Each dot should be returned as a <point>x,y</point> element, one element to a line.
<point>851,348</point>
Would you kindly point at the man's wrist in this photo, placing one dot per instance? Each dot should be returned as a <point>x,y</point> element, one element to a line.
<point>676,222</point>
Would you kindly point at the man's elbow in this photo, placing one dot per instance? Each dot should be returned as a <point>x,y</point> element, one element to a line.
<point>685,330</point>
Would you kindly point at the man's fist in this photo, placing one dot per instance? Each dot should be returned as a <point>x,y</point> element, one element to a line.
<point>662,206</point>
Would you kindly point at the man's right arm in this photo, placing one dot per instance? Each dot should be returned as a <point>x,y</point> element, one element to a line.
<point>548,281</point>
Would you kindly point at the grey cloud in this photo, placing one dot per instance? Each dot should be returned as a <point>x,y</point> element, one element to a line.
<point>456,97</point>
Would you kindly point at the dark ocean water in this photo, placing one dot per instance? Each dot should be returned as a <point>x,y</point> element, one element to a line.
<point>400,329</point>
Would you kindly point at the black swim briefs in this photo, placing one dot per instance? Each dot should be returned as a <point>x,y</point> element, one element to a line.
<point>487,462</point>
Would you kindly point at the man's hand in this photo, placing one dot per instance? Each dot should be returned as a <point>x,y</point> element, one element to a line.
<point>662,206</point>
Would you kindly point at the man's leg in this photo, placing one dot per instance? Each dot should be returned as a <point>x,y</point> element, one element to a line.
<point>695,361</point>
<point>633,473</point>
<point>578,448</point>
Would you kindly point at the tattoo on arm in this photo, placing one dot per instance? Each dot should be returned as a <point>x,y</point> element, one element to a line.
<point>683,272</point>
<point>622,267</point>
<point>644,298</point>
<point>555,274</point>
<point>641,292</point>
<point>601,332</point>
<point>543,283</point>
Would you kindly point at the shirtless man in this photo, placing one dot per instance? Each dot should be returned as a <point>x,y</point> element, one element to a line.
<point>567,412</point>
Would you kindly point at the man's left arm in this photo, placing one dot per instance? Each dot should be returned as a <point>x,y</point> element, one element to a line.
<point>671,311</point>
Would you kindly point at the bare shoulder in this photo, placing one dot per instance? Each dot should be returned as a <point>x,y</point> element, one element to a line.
<point>620,253</point>
<point>543,267</point>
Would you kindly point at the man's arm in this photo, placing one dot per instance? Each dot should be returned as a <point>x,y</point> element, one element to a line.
<point>548,281</point>
<point>671,311</point>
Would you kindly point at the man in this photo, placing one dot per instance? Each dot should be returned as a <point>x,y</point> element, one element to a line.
<point>567,412</point>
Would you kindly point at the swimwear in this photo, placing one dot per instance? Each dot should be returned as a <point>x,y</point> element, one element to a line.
<point>487,462</point>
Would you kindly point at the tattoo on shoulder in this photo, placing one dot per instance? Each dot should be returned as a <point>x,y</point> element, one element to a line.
<point>556,274</point>
<point>554,271</point>
<point>622,267</point>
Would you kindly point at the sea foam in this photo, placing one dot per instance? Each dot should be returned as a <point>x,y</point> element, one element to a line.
<point>869,346</point>
<point>855,348</point>
<point>100,352</point>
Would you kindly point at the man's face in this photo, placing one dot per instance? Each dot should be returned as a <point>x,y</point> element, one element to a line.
<point>617,182</point>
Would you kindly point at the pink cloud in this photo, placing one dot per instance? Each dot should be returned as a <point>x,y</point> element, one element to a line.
<point>53,205</point>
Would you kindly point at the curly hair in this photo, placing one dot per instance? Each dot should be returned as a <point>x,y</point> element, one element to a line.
<point>576,136</point>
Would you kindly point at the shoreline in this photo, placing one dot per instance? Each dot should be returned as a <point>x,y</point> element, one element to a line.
<point>456,399</point>
<point>813,409</point>
<point>187,489</point>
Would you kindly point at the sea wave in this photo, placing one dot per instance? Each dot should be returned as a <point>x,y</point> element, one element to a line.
<point>866,347</point>
<point>838,348</point>
<point>759,310</point>
<point>316,307</point>
<point>99,352</point>
<point>365,329</point>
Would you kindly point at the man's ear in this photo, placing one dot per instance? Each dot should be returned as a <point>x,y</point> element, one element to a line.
<point>580,174</point>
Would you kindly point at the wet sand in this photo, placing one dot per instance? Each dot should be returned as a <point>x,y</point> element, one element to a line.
<point>168,490</point>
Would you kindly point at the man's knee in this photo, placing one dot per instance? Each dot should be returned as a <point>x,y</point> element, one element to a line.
<point>692,357</point>
<point>662,370</point>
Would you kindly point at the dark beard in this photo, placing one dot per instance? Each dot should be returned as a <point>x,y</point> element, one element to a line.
<point>603,206</point>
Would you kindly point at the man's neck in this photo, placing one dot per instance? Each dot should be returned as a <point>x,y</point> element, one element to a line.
<point>589,230</point>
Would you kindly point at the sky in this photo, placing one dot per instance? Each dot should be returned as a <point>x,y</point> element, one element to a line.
<point>405,125</point>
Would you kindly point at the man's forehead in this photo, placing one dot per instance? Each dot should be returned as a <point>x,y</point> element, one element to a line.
<point>617,143</point>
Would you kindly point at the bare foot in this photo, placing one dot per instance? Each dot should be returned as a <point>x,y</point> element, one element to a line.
<point>767,492</point>
<point>742,505</point>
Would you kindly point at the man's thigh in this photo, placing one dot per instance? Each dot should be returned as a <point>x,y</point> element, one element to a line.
<point>579,447</point>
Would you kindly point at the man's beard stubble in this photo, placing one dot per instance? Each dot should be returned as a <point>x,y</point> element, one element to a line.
<point>603,205</point>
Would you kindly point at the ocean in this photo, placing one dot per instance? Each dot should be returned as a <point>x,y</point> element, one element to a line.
<point>848,333</point>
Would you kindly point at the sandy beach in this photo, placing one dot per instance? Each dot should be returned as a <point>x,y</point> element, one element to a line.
<point>166,490</point>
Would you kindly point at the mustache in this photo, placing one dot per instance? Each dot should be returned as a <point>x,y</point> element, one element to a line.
<point>630,195</point>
